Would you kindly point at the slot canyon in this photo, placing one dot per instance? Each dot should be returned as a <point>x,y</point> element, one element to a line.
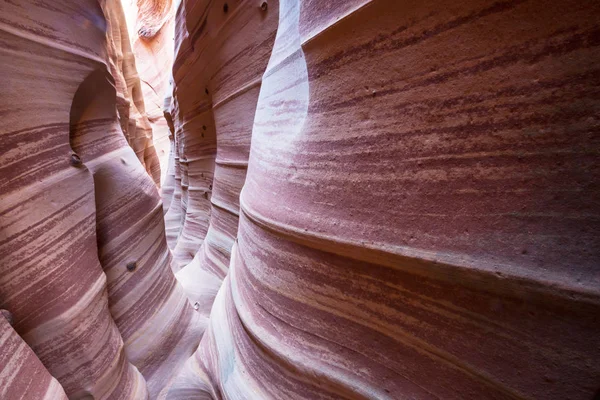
<point>299,199</point>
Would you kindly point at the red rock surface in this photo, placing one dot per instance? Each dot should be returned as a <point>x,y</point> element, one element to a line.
<point>85,267</point>
<point>419,218</point>
<point>151,29</point>
<point>366,199</point>
<point>23,376</point>
<point>130,101</point>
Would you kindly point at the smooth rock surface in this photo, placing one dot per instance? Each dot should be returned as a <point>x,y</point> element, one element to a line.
<point>419,217</point>
<point>86,271</point>
<point>23,375</point>
<point>151,29</point>
<point>365,199</point>
<point>51,279</point>
<point>228,56</point>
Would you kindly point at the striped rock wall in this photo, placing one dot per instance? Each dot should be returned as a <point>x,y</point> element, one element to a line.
<point>86,271</point>
<point>194,152</point>
<point>226,51</point>
<point>131,107</point>
<point>51,279</point>
<point>172,208</point>
<point>234,64</point>
<point>418,219</point>
<point>23,376</point>
<point>420,215</point>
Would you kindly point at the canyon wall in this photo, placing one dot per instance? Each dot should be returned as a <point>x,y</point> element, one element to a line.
<point>131,107</point>
<point>86,272</point>
<point>151,28</point>
<point>364,199</point>
<point>419,217</point>
<point>23,376</point>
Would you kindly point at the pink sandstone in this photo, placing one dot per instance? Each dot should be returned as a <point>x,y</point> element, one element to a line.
<point>363,199</point>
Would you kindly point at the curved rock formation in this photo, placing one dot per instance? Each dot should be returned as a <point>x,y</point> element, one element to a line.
<point>235,66</point>
<point>86,269</point>
<point>51,279</point>
<point>158,326</point>
<point>417,219</point>
<point>228,51</point>
<point>151,28</point>
<point>132,109</point>
<point>23,376</point>
<point>152,16</point>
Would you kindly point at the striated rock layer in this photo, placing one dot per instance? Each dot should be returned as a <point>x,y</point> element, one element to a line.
<point>233,51</point>
<point>23,376</point>
<point>366,199</point>
<point>227,55</point>
<point>85,268</point>
<point>419,217</point>
<point>151,29</point>
<point>130,101</point>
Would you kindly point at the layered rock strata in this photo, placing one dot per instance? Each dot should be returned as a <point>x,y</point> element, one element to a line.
<point>418,215</point>
<point>236,48</point>
<point>228,54</point>
<point>151,29</point>
<point>130,101</point>
<point>23,376</point>
<point>52,281</point>
<point>85,268</point>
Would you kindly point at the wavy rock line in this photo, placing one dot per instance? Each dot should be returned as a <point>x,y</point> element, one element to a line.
<point>416,217</point>
<point>86,271</point>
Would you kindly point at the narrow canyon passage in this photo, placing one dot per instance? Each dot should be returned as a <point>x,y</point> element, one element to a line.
<point>299,199</point>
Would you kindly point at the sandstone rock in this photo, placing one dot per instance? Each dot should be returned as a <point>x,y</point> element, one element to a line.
<point>151,30</point>
<point>417,216</point>
<point>23,376</point>
<point>130,102</point>
<point>51,279</point>
<point>86,269</point>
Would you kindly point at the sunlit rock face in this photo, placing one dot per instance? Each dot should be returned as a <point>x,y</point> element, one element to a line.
<point>151,29</point>
<point>130,101</point>
<point>86,272</point>
<point>418,218</point>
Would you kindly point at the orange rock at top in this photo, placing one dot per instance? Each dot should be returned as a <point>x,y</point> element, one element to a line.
<point>151,28</point>
<point>130,101</point>
<point>151,17</point>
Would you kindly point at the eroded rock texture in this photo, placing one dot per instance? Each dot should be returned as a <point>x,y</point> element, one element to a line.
<point>419,217</point>
<point>130,103</point>
<point>85,267</point>
<point>151,28</point>
<point>23,376</point>
<point>213,111</point>
<point>228,52</point>
<point>366,199</point>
